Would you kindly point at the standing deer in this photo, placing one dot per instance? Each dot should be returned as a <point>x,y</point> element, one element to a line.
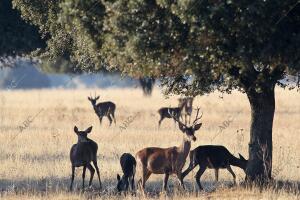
<point>174,113</point>
<point>213,157</point>
<point>82,154</point>
<point>187,109</point>
<point>154,160</point>
<point>104,109</point>
<point>128,164</point>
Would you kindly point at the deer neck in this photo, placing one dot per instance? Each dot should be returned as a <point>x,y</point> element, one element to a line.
<point>184,148</point>
<point>82,139</point>
<point>95,107</point>
<point>236,162</point>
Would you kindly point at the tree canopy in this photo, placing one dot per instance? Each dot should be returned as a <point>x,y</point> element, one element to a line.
<point>232,44</point>
<point>16,36</point>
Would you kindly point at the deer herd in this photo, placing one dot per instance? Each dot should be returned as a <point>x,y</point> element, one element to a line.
<point>155,160</point>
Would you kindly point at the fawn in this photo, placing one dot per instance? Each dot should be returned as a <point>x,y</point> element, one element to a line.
<point>128,164</point>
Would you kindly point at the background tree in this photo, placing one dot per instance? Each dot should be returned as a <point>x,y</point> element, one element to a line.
<point>16,36</point>
<point>194,46</point>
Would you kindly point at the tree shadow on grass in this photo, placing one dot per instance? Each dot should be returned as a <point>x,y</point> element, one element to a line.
<point>52,185</point>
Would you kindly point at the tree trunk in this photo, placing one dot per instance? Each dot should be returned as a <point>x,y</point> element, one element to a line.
<point>262,104</point>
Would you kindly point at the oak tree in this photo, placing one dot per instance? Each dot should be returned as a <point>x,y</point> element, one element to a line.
<point>193,46</point>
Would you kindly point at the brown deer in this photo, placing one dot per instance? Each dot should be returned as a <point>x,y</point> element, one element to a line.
<point>174,113</point>
<point>82,154</point>
<point>104,109</point>
<point>128,164</point>
<point>213,157</point>
<point>187,108</point>
<point>167,161</point>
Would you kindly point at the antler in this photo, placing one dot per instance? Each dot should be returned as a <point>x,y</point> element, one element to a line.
<point>176,119</point>
<point>197,118</point>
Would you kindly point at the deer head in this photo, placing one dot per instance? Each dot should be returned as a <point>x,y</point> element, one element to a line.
<point>122,183</point>
<point>82,135</point>
<point>190,130</point>
<point>93,100</point>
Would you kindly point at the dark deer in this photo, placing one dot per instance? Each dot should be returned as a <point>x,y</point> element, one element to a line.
<point>213,157</point>
<point>167,161</point>
<point>82,154</point>
<point>174,113</point>
<point>128,164</point>
<point>187,110</point>
<point>104,109</point>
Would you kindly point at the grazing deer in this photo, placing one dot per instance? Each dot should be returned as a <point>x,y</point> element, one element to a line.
<point>174,113</point>
<point>82,154</point>
<point>213,157</point>
<point>104,109</point>
<point>154,160</point>
<point>187,110</point>
<point>128,164</point>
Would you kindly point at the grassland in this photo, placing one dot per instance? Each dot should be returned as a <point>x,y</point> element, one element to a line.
<point>36,133</point>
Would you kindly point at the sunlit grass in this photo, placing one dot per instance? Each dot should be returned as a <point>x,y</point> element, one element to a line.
<point>35,161</point>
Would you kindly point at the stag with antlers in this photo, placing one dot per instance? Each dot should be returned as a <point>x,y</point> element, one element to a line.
<point>167,161</point>
<point>103,109</point>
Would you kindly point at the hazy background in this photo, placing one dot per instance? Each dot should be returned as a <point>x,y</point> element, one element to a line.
<point>28,76</point>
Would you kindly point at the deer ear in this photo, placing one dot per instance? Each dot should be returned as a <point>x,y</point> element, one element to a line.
<point>241,157</point>
<point>76,130</point>
<point>89,98</point>
<point>197,126</point>
<point>118,177</point>
<point>89,129</point>
<point>97,97</point>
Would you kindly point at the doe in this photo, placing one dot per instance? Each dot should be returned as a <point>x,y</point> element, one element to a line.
<point>82,154</point>
<point>174,112</point>
<point>213,157</point>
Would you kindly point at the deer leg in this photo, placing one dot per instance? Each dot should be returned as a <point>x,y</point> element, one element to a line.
<point>198,176</point>
<point>113,116</point>
<point>92,170</point>
<point>232,173</point>
<point>188,170</point>
<point>166,181</point>
<point>180,178</point>
<point>72,178</point>
<point>159,122</point>
<point>98,173</point>
<point>100,119</point>
<point>132,183</point>
<point>83,176</point>
<point>217,174</point>
<point>145,178</point>
<point>110,120</point>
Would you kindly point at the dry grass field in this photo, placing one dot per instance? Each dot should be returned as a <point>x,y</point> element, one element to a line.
<point>34,158</point>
